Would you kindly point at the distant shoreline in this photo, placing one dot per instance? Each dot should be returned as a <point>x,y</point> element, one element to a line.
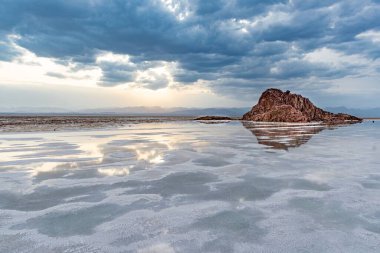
<point>3,115</point>
<point>51,123</point>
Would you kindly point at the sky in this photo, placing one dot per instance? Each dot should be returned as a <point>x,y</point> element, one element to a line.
<point>78,54</point>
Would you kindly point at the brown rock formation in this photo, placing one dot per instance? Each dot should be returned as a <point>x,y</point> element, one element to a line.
<point>277,106</point>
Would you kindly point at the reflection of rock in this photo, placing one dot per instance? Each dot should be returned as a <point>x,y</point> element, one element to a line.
<point>283,136</point>
<point>277,106</point>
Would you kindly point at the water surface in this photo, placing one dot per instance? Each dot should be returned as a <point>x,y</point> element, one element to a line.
<point>192,187</point>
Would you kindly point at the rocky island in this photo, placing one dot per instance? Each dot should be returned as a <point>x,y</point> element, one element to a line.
<point>277,106</point>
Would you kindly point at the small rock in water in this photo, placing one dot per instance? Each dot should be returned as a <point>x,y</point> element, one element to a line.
<point>213,118</point>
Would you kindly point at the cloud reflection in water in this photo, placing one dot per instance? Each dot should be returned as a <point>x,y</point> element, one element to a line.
<point>191,187</point>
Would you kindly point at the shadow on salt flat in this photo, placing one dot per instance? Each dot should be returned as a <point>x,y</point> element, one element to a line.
<point>193,184</point>
<point>231,225</point>
<point>332,215</point>
<point>256,188</point>
<point>211,161</point>
<point>207,186</point>
<point>372,182</point>
<point>176,183</point>
<point>81,221</point>
<point>76,222</point>
<point>44,197</point>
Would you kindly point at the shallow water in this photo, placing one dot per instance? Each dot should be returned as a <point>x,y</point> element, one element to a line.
<point>192,187</point>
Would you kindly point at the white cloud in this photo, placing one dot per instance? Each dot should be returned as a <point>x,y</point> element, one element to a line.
<point>371,35</point>
<point>28,68</point>
<point>180,9</point>
<point>114,58</point>
<point>335,58</point>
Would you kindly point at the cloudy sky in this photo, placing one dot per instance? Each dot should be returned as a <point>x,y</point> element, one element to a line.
<point>101,53</point>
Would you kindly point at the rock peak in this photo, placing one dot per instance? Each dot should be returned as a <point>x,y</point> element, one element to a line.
<point>277,106</point>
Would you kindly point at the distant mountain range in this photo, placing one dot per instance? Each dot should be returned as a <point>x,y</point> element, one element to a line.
<point>175,111</point>
<point>363,113</point>
<point>130,111</point>
<point>162,111</point>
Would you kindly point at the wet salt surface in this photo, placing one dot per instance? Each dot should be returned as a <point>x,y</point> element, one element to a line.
<point>192,187</point>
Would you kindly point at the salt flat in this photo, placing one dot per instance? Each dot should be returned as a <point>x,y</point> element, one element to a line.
<point>184,186</point>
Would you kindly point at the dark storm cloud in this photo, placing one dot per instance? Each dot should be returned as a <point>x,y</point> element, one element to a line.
<point>116,73</point>
<point>237,41</point>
